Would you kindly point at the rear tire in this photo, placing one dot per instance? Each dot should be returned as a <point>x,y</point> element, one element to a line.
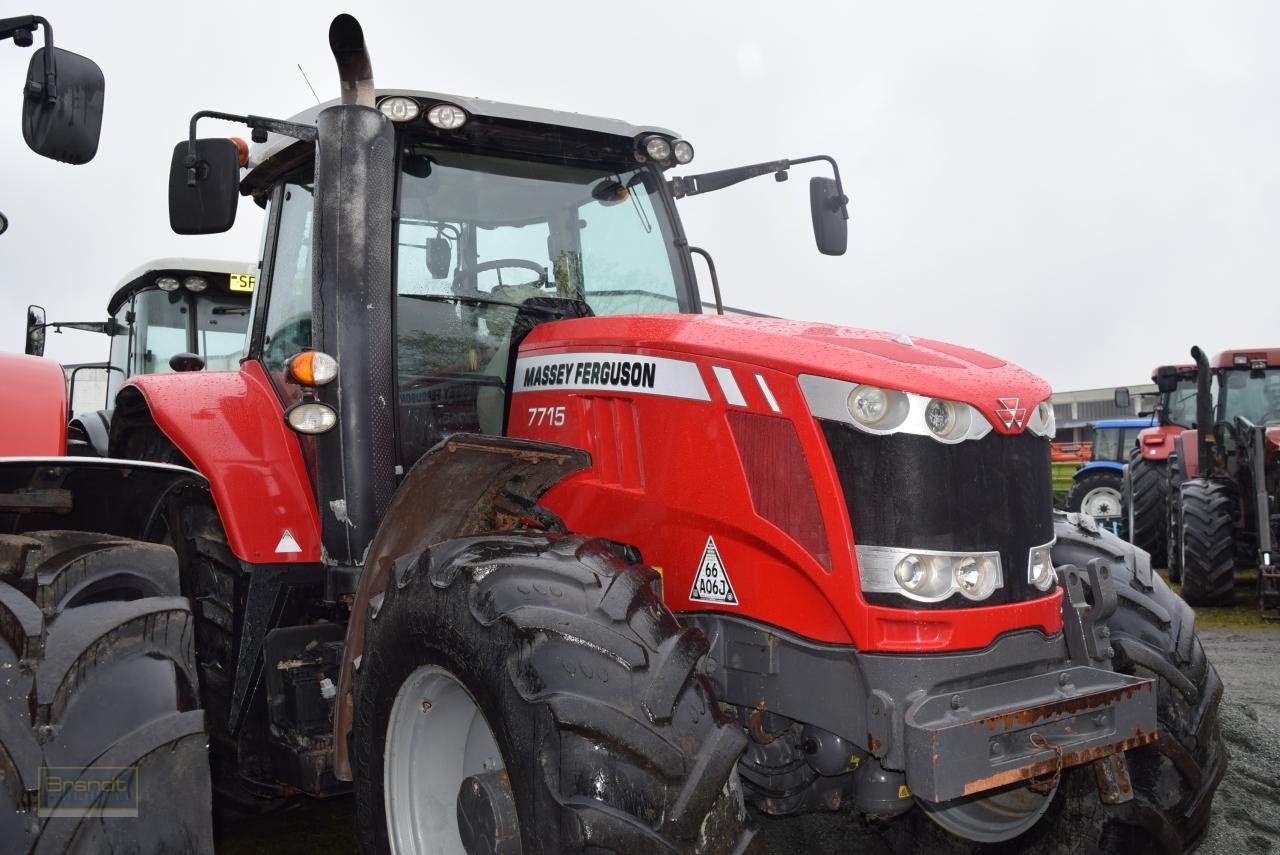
<point>98,671</point>
<point>607,733</point>
<point>1146,496</point>
<point>1206,518</point>
<point>1097,493</point>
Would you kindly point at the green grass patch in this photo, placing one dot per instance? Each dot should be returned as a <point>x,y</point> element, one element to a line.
<point>1245,614</point>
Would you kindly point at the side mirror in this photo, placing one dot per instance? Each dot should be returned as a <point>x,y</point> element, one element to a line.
<point>4,223</point>
<point>186,362</point>
<point>439,257</point>
<point>204,186</point>
<point>35,331</point>
<point>1167,378</point>
<point>63,121</point>
<point>1122,399</point>
<point>826,206</point>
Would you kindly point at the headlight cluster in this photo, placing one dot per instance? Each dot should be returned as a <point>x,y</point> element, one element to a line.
<point>927,575</point>
<point>663,151</point>
<point>881,411</point>
<point>1040,572</point>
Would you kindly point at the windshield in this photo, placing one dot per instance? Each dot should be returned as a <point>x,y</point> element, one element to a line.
<point>478,236</point>
<point>1253,395</point>
<point>1180,408</point>
<point>221,324</point>
<point>159,330</point>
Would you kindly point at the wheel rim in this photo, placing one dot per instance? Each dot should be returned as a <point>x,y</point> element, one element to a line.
<point>1102,503</point>
<point>437,737</point>
<point>994,818</point>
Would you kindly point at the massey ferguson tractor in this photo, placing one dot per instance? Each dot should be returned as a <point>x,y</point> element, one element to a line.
<point>494,527</point>
<point>1146,480</point>
<point>1224,476</point>
<point>168,314</point>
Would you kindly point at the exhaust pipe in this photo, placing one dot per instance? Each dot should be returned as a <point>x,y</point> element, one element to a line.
<point>1204,413</point>
<point>355,71</point>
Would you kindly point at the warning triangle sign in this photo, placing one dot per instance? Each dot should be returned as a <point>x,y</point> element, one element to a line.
<point>287,543</point>
<point>711,584</point>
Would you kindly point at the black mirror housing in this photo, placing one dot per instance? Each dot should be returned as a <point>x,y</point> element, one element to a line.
<point>186,362</point>
<point>204,186</point>
<point>1122,399</point>
<point>35,331</point>
<point>826,206</point>
<point>66,126</point>
<point>1167,378</point>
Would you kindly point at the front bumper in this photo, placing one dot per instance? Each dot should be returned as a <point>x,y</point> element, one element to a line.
<point>966,742</point>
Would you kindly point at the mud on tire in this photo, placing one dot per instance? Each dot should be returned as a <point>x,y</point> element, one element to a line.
<point>610,738</point>
<point>1153,634</point>
<point>97,670</point>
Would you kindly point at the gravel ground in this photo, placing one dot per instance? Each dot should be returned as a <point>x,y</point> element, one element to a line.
<point>1246,812</point>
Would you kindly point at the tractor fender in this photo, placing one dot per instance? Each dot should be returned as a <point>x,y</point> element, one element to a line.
<point>1187,445</point>
<point>36,412</point>
<point>112,497</point>
<point>230,425</point>
<point>1157,442</point>
<point>1095,466</point>
<point>468,484</point>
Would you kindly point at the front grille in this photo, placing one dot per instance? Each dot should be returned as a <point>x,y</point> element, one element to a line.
<point>909,491</point>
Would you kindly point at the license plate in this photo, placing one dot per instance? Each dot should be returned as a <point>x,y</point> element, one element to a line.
<point>243,282</point>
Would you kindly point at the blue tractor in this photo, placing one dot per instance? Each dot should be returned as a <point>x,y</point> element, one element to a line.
<point>1097,485</point>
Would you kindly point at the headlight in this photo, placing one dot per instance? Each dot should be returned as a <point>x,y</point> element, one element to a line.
<point>657,148</point>
<point>1043,421</point>
<point>168,283</point>
<point>195,283</point>
<point>446,117</point>
<point>873,409</point>
<point>1040,572</point>
<point>311,417</point>
<point>683,151</point>
<point>398,108</point>
<point>928,576</point>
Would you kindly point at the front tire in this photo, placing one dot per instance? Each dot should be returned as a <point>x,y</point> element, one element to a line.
<point>1146,496</point>
<point>1206,520</point>
<point>1097,493</point>
<point>567,696</point>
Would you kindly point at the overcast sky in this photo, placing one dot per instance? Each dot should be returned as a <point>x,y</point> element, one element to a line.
<point>1084,188</point>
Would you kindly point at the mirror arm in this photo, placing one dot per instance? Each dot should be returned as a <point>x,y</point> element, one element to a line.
<point>21,30</point>
<point>715,280</point>
<point>260,125</point>
<point>692,185</point>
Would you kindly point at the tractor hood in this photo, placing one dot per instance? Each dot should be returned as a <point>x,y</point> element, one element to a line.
<point>890,360</point>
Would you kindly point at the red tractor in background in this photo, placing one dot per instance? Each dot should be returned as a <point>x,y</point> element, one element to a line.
<point>495,528</point>
<point>1223,476</point>
<point>1146,482</point>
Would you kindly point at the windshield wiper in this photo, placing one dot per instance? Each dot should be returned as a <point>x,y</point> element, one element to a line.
<point>545,311</point>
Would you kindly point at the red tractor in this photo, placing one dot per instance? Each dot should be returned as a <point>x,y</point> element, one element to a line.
<point>494,527</point>
<point>1146,482</point>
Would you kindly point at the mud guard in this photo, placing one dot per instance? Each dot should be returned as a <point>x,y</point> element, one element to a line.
<point>116,497</point>
<point>468,484</point>
<point>38,388</point>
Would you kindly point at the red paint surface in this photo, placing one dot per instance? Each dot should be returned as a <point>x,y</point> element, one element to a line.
<point>666,471</point>
<point>1226,359</point>
<point>1157,442</point>
<point>230,425</point>
<point>34,408</point>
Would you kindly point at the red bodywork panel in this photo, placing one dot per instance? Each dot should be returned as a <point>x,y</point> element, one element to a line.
<point>230,425</point>
<point>1190,452</point>
<point>1157,442</point>
<point>667,474</point>
<point>35,407</point>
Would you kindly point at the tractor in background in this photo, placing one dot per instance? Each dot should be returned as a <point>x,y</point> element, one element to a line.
<point>1147,481</point>
<point>1096,487</point>
<point>168,314</point>
<point>1224,478</point>
<point>495,528</point>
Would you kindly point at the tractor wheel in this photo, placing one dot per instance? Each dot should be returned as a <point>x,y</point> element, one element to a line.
<point>1153,634</point>
<point>1146,493</point>
<point>1206,517</point>
<point>525,694</point>
<point>98,677</point>
<point>1097,493</point>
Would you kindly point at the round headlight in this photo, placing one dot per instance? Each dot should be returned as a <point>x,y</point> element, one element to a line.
<point>398,108</point>
<point>195,283</point>
<point>657,148</point>
<point>682,150</point>
<point>446,117</point>
<point>975,577</point>
<point>868,404</point>
<point>1040,571</point>
<point>940,416</point>
<point>311,417</point>
<point>313,368</point>
<point>168,283</point>
<point>911,573</point>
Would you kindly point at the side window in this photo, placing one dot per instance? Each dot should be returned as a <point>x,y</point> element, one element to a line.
<point>119,359</point>
<point>288,320</point>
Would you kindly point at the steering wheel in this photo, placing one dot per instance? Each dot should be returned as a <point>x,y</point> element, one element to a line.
<point>523,264</point>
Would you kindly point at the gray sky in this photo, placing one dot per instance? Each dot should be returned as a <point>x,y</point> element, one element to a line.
<point>1066,185</point>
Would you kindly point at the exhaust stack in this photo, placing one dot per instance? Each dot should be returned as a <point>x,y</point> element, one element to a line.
<point>355,71</point>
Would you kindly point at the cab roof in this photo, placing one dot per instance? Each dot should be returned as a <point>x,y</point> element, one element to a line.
<point>1226,359</point>
<point>145,275</point>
